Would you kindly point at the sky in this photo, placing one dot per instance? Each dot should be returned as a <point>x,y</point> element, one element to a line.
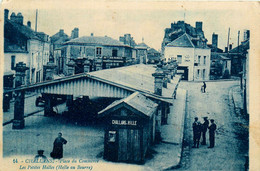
<point>143,20</point>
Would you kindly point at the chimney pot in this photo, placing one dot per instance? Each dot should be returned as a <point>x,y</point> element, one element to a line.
<point>6,14</point>
<point>158,79</point>
<point>199,25</point>
<point>226,49</point>
<point>230,46</point>
<point>29,24</point>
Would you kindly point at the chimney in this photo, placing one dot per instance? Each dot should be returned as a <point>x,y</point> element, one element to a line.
<point>158,80</point>
<point>61,32</point>
<point>19,18</point>
<point>29,24</point>
<point>199,25</point>
<point>13,17</point>
<point>92,34</point>
<point>246,35</point>
<point>214,41</point>
<point>75,33</point>
<point>6,14</point>
<point>226,49</point>
<point>230,46</point>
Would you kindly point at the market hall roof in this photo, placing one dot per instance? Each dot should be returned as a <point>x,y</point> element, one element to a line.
<point>135,101</point>
<point>138,77</point>
<point>117,82</point>
<point>96,40</point>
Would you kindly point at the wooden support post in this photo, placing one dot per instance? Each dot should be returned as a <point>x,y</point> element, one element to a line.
<point>18,122</point>
<point>158,123</point>
<point>69,102</point>
<point>48,105</point>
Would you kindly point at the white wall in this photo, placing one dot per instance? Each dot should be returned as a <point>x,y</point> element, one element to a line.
<point>38,56</point>
<point>187,57</point>
<point>201,66</point>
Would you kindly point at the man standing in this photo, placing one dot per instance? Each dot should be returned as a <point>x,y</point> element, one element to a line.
<point>57,152</point>
<point>196,126</point>
<point>205,126</point>
<point>204,87</point>
<point>212,129</point>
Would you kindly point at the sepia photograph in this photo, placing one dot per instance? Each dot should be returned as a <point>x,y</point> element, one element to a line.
<point>129,85</point>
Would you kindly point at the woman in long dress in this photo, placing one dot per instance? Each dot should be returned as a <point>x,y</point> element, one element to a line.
<point>57,152</point>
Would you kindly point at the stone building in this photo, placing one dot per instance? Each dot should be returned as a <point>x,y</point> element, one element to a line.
<point>237,54</point>
<point>220,62</point>
<point>57,41</point>
<point>178,29</point>
<point>23,44</point>
<point>127,39</point>
<point>192,55</point>
<point>141,53</point>
<point>153,56</point>
<point>91,53</point>
<point>220,66</point>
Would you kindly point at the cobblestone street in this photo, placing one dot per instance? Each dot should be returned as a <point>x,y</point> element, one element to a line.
<point>231,142</point>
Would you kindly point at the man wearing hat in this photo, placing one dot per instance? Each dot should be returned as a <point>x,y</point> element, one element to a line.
<point>196,126</point>
<point>40,156</point>
<point>212,129</point>
<point>205,126</point>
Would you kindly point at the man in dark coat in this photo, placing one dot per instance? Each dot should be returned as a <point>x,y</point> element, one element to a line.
<point>204,87</point>
<point>205,126</point>
<point>212,129</point>
<point>196,126</point>
<point>57,152</point>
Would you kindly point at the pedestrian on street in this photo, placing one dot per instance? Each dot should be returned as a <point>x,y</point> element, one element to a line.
<point>205,126</point>
<point>196,126</point>
<point>57,152</point>
<point>212,129</point>
<point>40,156</point>
<point>204,87</point>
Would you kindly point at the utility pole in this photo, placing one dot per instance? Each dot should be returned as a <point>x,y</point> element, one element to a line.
<point>36,20</point>
<point>228,39</point>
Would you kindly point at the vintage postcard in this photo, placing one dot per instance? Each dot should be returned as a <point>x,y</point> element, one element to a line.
<point>129,85</point>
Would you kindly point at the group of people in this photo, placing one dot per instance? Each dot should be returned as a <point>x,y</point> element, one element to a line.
<point>199,129</point>
<point>57,152</point>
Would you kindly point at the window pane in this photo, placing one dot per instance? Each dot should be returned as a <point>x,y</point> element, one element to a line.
<point>179,59</point>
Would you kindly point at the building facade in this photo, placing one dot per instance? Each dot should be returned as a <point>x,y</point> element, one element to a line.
<point>141,53</point>
<point>91,53</point>
<point>178,29</point>
<point>192,55</point>
<point>22,44</point>
<point>220,62</point>
<point>153,56</point>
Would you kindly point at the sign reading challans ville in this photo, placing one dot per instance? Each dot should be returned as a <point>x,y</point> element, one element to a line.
<point>124,122</point>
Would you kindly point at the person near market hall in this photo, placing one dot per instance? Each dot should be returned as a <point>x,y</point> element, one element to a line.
<point>57,152</point>
<point>196,126</point>
<point>212,129</point>
<point>204,128</point>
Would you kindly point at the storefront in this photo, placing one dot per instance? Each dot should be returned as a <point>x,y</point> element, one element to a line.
<point>130,128</point>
